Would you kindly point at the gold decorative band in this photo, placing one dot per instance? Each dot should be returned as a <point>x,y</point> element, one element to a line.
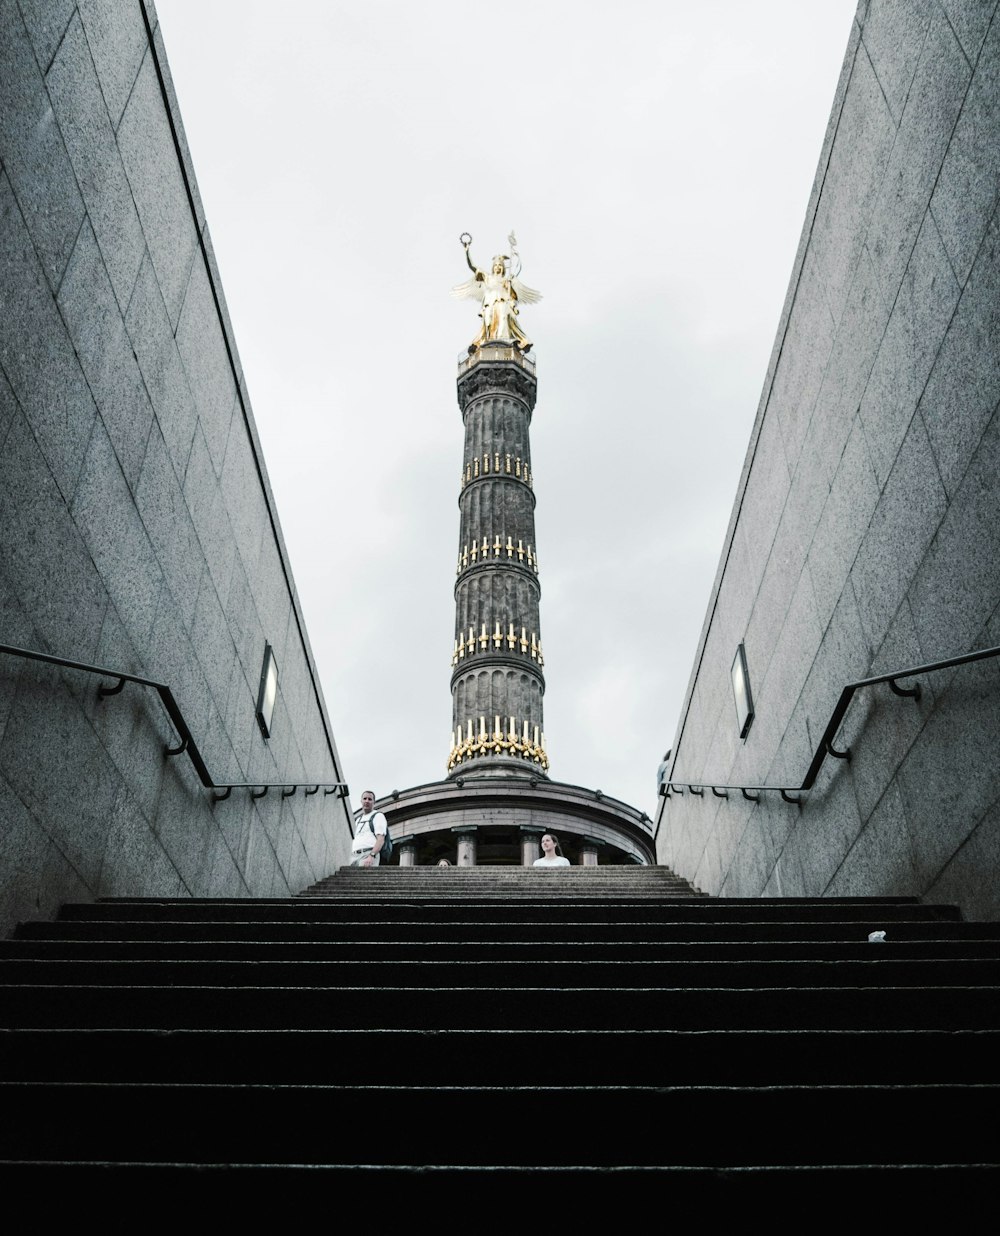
<point>496,464</point>
<point>477,552</point>
<point>499,640</point>
<point>515,741</point>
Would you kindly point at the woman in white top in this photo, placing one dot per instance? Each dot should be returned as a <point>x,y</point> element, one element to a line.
<point>551,853</point>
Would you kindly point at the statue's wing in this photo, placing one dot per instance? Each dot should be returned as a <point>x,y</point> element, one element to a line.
<point>526,295</point>
<point>471,289</point>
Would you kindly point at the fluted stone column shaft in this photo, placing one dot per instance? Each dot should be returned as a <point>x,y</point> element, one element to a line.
<point>467,848</point>
<point>530,846</point>
<point>497,679</point>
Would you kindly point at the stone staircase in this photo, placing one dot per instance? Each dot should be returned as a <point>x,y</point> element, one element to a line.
<point>566,1035</point>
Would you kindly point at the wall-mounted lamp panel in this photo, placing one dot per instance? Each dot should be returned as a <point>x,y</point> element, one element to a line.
<point>268,691</point>
<point>741,691</point>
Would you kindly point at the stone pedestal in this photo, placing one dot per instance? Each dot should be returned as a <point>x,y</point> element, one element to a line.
<point>407,852</point>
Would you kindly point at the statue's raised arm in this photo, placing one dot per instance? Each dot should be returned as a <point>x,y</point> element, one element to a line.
<point>498,290</point>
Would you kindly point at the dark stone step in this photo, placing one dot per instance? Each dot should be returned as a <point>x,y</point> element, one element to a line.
<point>504,1057</point>
<point>879,969</point>
<point>873,914</point>
<point>469,1126</point>
<point>370,947</point>
<point>495,930</point>
<point>432,1008</point>
<point>259,1192</point>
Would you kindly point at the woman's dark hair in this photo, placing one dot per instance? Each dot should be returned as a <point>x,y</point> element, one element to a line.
<point>549,833</point>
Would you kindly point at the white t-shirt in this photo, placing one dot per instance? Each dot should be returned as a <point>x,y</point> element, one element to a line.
<point>363,839</point>
<point>557,861</point>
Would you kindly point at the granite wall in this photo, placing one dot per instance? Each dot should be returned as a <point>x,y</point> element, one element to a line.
<point>137,526</point>
<point>865,536</point>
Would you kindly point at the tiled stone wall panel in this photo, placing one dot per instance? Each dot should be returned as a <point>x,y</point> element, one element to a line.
<point>893,487</point>
<point>43,555</point>
<point>245,502</point>
<point>46,22</point>
<point>846,516</point>
<point>36,356</point>
<point>910,509</point>
<point>206,363</point>
<point>208,514</point>
<point>894,35</point>
<point>213,643</point>
<point>859,335</point>
<point>168,525</point>
<point>924,306</point>
<point>52,760</point>
<point>24,847</point>
<point>160,362</point>
<point>95,325</point>
<point>864,140</point>
<point>800,367</point>
<point>8,409</point>
<point>32,149</point>
<point>959,581</point>
<point>970,19</point>
<point>970,874</point>
<point>963,390</point>
<point>965,196</point>
<point>104,512</point>
<point>948,781</point>
<point>86,129</point>
<point>932,108</point>
<point>116,35</point>
<point>147,147</point>
<point>882,859</point>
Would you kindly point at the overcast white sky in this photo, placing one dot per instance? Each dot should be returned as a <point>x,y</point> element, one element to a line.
<point>655,158</point>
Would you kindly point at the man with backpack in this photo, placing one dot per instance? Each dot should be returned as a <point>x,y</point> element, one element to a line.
<point>371,835</point>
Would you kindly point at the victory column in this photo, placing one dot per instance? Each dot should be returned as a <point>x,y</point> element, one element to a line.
<point>497,682</point>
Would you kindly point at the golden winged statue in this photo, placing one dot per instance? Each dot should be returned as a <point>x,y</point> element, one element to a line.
<point>499,291</point>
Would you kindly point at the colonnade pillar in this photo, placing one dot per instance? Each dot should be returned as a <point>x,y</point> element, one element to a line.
<point>466,846</point>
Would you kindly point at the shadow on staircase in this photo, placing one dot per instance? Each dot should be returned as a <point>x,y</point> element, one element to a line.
<point>430,1033</point>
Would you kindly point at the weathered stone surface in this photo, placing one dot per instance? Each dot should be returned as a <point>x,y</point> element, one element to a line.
<point>168,525</point>
<point>116,35</point>
<point>32,150</point>
<point>970,19</point>
<point>931,109</point>
<point>83,121</point>
<point>846,516</point>
<point>46,22</point>
<point>94,321</point>
<point>958,582</point>
<point>37,356</point>
<point>53,761</point>
<point>47,564</point>
<point>154,173</point>
<point>924,306</point>
<point>203,352</point>
<point>894,438</point>
<point>965,196</point>
<point>104,511</point>
<point>963,389</point>
<point>900,532</point>
<point>893,37</point>
<point>159,360</point>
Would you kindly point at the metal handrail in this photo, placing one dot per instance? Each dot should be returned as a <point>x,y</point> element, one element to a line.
<point>793,793</point>
<point>187,745</point>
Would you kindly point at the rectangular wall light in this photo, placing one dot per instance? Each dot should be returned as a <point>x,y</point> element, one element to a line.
<point>741,691</point>
<point>268,691</point>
